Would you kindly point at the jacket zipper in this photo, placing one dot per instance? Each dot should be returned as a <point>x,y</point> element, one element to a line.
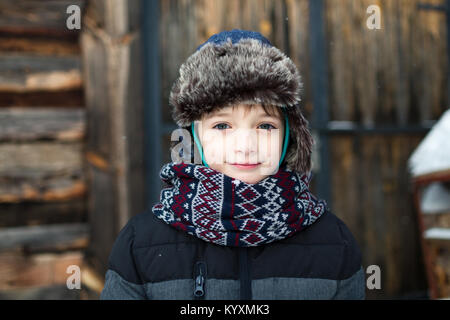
<point>200,277</point>
<point>244,274</point>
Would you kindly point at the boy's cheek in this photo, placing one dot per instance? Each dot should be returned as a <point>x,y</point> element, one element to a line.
<point>211,142</point>
<point>269,147</point>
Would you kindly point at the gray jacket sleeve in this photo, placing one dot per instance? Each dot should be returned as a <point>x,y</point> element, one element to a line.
<point>117,288</point>
<point>352,288</point>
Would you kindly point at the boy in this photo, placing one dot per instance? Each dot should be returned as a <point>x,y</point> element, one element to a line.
<point>243,224</point>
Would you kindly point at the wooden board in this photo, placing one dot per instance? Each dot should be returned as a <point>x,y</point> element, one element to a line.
<point>29,124</point>
<point>439,250</point>
<point>372,195</point>
<point>36,16</point>
<point>403,80</point>
<point>58,99</point>
<point>439,220</point>
<point>56,237</point>
<point>48,292</point>
<point>41,171</point>
<point>30,213</point>
<point>23,73</point>
<point>111,55</point>
<point>26,271</point>
<point>38,45</point>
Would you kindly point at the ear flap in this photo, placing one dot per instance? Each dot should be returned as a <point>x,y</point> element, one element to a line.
<point>298,155</point>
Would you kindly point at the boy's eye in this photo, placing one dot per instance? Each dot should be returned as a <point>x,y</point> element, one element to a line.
<point>267,126</point>
<point>220,126</point>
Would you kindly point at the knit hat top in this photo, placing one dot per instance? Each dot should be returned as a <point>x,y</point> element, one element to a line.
<point>235,36</point>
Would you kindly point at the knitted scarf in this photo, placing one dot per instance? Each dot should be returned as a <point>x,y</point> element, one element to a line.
<point>220,209</point>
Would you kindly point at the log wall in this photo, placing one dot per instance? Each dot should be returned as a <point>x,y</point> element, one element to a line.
<point>43,207</point>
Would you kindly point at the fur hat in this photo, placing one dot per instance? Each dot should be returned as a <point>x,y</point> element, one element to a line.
<point>242,66</point>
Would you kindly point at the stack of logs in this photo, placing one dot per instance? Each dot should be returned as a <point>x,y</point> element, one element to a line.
<point>43,205</point>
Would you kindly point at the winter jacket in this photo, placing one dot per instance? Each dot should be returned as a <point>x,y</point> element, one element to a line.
<point>152,260</point>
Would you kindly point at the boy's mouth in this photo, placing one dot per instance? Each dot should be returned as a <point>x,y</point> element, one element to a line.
<point>245,165</point>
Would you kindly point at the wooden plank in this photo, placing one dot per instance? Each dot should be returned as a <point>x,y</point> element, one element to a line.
<point>41,171</point>
<point>27,271</point>
<point>28,124</point>
<point>102,218</point>
<point>371,195</point>
<point>40,158</point>
<point>22,73</point>
<point>26,213</point>
<point>116,19</point>
<point>57,237</point>
<point>39,45</point>
<point>58,99</point>
<point>47,292</point>
<point>111,47</point>
<point>439,250</point>
<point>36,17</point>
<point>439,220</point>
<point>44,189</point>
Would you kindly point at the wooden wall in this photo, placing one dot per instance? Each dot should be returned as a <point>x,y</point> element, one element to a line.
<point>43,211</point>
<point>112,64</point>
<point>393,76</point>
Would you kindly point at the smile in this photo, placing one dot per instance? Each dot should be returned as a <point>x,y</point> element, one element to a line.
<point>245,165</point>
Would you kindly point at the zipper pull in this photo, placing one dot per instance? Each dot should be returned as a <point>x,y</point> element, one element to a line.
<point>199,289</point>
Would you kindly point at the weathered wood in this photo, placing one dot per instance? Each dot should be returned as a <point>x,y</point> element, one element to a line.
<point>40,158</point>
<point>57,237</point>
<point>113,81</point>
<point>36,17</point>
<point>44,189</point>
<point>402,79</point>
<point>48,292</point>
<point>39,45</point>
<point>41,213</point>
<point>440,220</point>
<point>439,251</point>
<point>102,218</point>
<point>57,99</point>
<point>28,124</point>
<point>369,178</point>
<point>41,171</point>
<point>27,271</point>
<point>115,18</point>
<point>22,73</point>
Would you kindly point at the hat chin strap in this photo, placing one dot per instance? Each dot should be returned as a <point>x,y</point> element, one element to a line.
<point>285,143</point>
<point>198,145</point>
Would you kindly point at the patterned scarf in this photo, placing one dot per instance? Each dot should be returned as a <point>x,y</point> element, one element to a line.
<point>220,209</point>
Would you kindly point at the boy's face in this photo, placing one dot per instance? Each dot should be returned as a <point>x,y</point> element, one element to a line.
<point>242,141</point>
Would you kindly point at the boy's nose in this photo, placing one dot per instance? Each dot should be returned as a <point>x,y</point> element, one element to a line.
<point>245,143</point>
